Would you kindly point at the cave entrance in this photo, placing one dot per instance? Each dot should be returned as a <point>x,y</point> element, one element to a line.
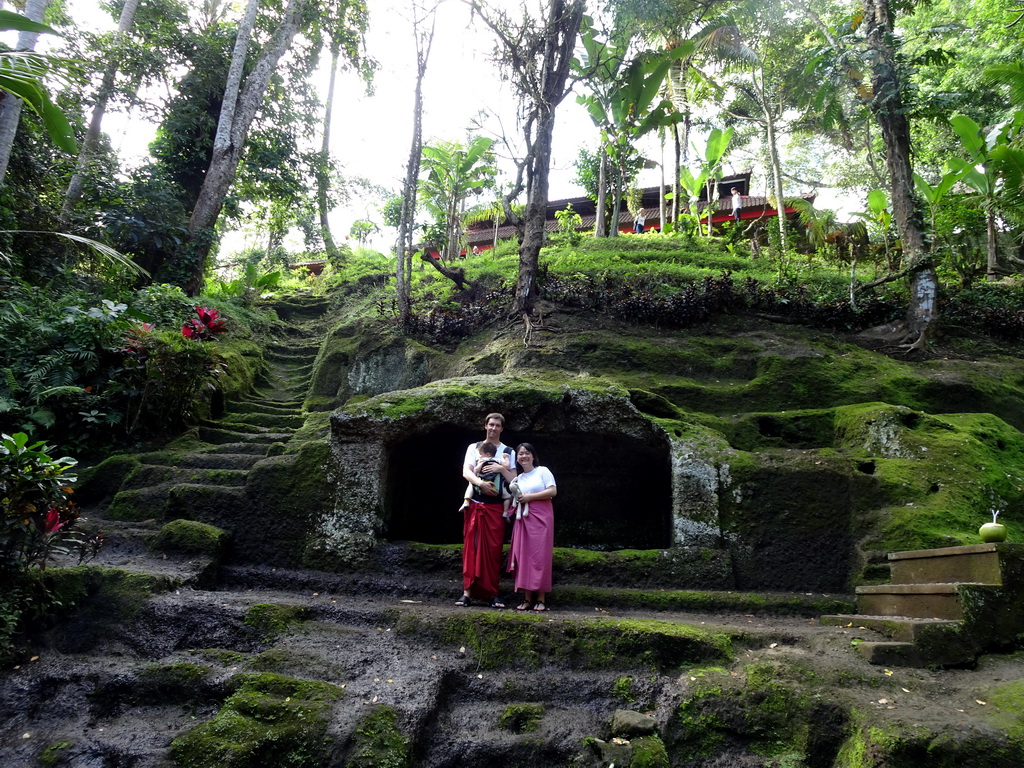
<point>614,492</point>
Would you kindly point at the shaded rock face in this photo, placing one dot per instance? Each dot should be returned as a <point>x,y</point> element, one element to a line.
<point>614,490</point>
<point>401,457</point>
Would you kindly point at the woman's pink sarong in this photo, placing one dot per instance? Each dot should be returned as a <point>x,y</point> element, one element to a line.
<point>483,533</point>
<point>533,539</point>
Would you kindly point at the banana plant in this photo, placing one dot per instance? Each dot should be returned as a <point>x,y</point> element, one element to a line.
<point>708,174</point>
<point>982,173</point>
<point>623,102</point>
<point>878,213</point>
<point>22,73</point>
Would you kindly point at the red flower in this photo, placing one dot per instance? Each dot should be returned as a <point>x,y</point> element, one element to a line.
<point>204,327</point>
<point>52,523</point>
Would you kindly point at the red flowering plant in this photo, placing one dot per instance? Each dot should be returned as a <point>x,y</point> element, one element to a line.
<point>37,518</point>
<point>204,327</point>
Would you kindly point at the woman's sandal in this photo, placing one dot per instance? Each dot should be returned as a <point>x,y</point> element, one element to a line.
<point>496,602</point>
<point>463,602</point>
<point>540,607</point>
<point>524,606</point>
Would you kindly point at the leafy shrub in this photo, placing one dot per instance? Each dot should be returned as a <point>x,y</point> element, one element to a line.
<point>37,517</point>
<point>163,377</point>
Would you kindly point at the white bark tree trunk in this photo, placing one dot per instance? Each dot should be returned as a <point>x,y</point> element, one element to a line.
<point>242,101</point>
<point>92,136</point>
<point>10,106</point>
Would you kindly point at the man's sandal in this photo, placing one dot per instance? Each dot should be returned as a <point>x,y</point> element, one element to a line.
<point>496,602</point>
<point>463,602</point>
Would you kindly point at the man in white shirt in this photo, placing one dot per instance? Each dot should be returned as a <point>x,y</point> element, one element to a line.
<point>483,528</point>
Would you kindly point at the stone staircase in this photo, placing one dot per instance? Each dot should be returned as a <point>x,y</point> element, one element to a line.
<point>204,474</point>
<point>943,607</point>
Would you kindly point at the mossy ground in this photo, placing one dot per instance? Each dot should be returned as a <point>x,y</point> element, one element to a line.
<point>268,720</point>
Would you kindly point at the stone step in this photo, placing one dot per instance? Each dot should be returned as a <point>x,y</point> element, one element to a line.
<point>300,310</point>
<point>897,628</point>
<point>278,421</point>
<point>213,460</point>
<point>900,654</point>
<point>258,450</point>
<point>216,434</point>
<point>891,654</point>
<point>167,502</point>
<point>934,601</point>
<point>261,407</point>
<point>151,474</point>
<point>975,563</point>
<point>275,399</point>
<point>293,349</point>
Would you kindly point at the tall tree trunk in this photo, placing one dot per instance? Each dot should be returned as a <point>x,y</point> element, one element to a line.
<point>600,223</point>
<point>92,136</point>
<point>992,246</point>
<point>773,159</point>
<point>241,103</point>
<point>403,251</point>
<point>560,29</point>
<point>323,171</point>
<point>617,192</point>
<point>888,108</point>
<point>677,163</point>
<point>661,191</point>
<point>10,106</point>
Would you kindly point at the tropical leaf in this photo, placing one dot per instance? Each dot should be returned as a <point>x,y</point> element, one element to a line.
<point>970,135</point>
<point>105,252</point>
<point>1011,75</point>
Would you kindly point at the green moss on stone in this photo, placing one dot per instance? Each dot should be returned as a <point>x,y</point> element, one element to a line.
<point>51,756</point>
<point>622,689</point>
<point>190,537</point>
<point>379,743</point>
<point>649,752</point>
<point>510,640</point>
<point>102,481</point>
<point>272,619</point>
<point>521,718</point>
<point>268,720</point>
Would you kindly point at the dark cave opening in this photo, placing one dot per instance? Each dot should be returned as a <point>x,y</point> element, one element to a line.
<point>614,492</point>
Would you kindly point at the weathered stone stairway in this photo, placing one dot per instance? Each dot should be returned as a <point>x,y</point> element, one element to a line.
<point>943,607</point>
<point>206,474</point>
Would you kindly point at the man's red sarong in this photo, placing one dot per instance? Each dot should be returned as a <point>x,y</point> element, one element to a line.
<point>483,533</point>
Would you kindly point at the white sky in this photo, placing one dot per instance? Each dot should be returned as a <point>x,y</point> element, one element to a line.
<point>370,136</point>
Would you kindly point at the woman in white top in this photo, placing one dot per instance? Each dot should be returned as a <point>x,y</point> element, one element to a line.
<point>533,536</point>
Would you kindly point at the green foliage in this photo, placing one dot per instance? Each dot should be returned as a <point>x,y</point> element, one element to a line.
<point>163,377</point>
<point>22,74</point>
<point>569,222</point>
<point>37,517</point>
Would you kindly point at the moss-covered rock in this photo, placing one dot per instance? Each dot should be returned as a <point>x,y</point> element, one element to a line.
<point>648,752</point>
<point>99,483</point>
<point>378,742</point>
<point>272,619</point>
<point>191,538</point>
<point>506,640</point>
<point>765,711</point>
<point>268,720</point>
